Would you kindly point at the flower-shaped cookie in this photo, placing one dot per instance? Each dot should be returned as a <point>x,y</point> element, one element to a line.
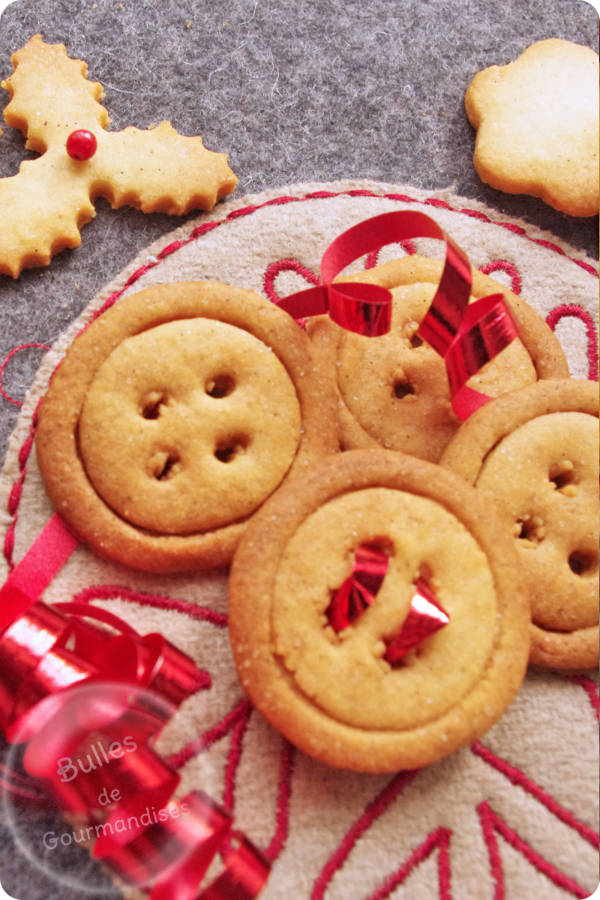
<point>45,204</point>
<point>537,125</point>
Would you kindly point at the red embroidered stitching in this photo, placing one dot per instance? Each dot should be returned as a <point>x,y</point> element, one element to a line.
<point>214,734</point>
<point>573,309</point>
<point>517,777</point>
<point>116,592</point>
<point>505,266</point>
<point>491,823</point>
<point>372,812</point>
<point>233,760</point>
<point>285,265</point>
<point>7,359</point>
<point>591,690</point>
<point>373,258</point>
<point>438,839</point>
<point>286,769</point>
<point>14,498</point>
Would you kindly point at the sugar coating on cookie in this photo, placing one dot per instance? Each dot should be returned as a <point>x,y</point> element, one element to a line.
<point>174,416</point>
<point>534,455</point>
<point>334,693</point>
<point>393,390</point>
<point>537,125</point>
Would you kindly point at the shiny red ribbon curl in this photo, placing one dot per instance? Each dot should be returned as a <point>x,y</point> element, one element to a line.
<point>466,335</point>
<point>48,654</point>
<point>357,592</point>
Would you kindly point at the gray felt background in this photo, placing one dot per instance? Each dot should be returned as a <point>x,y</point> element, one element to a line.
<point>294,91</point>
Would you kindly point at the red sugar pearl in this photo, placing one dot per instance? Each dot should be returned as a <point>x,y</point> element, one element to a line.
<point>81,144</point>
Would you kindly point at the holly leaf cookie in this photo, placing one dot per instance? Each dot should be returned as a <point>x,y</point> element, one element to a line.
<point>537,125</point>
<point>44,205</point>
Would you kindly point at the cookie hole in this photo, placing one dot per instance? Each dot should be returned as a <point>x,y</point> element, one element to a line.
<point>150,408</point>
<point>383,544</point>
<point>230,447</point>
<point>530,529</point>
<point>220,386</point>
<point>164,466</point>
<point>403,388</point>
<point>582,563</point>
<point>562,478</point>
<point>416,341</point>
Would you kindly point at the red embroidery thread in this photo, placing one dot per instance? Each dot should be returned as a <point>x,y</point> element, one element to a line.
<point>504,266</point>
<point>492,823</point>
<point>567,310</point>
<point>7,359</point>
<point>438,839</point>
<point>517,777</point>
<point>372,812</point>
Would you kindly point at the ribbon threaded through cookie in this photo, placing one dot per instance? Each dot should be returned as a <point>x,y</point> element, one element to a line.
<point>466,335</point>
<point>358,591</point>
<point>69,690</point>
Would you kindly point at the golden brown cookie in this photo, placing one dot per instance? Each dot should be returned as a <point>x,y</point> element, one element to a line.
<point>537,125</point>
<point>43,207</point>
<point>533,454</point>
<point>173,416</point>
<point>393,390</point>
<point>332,691</point>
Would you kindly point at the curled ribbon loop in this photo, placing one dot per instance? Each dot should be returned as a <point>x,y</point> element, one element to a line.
<point>88,695</point>
<point>467,335</point>
<point>359,590</point>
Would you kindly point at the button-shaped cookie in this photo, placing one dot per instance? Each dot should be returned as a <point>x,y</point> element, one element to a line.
<point>172,418</point>
<point>533,454</point>
<point>426,664</point>
<point>393,390</point>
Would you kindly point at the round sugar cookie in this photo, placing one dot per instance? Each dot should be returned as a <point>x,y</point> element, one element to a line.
<point>333,691</point>
<point>172,418</point>
<point>533,454</point>
<point>393,390</point>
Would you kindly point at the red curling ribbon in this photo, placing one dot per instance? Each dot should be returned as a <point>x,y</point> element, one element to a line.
<point>363,308</point>
<point>359,590</point>
<point>49,658</point>
<point>467,335</point>
<point>425,617</point>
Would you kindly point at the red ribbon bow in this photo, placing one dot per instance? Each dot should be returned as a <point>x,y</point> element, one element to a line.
<point>467,335</point>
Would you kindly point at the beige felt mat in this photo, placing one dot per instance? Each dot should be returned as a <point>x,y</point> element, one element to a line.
<point>514,815</point>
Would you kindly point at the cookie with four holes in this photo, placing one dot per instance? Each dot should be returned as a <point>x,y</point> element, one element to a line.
<point>393,390</point>
<point>423,668</point>
<point>534,455</point>
<point>173,417</point>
